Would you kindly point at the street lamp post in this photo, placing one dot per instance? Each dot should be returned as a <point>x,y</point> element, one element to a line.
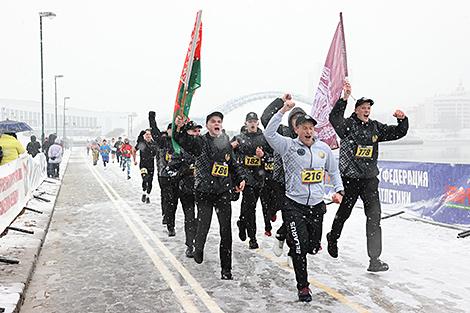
<point>65,99</point>
<point>41,15</point>
<point>55,85</point>
<point>129,123</point>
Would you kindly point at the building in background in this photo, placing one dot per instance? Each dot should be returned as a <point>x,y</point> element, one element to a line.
<point>80,124</point>
<point>448,112</point>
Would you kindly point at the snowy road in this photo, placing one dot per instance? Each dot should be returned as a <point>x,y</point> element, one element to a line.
<point>108,252</point>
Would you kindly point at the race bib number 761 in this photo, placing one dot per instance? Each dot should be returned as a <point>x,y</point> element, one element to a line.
<point>220,170</point>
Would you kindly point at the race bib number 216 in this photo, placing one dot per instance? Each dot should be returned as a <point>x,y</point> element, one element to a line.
<point>312,176</point>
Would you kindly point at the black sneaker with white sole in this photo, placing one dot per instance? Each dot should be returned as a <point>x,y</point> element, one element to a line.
<point>332,246</point>
<point>376,265</point>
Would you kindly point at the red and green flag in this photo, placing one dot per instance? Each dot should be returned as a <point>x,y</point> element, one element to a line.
<point>190,79</point>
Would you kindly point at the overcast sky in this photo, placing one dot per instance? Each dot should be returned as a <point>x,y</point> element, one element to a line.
<point>128,55</point>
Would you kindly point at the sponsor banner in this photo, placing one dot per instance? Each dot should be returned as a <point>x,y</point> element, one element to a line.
<point>18,179</point>
<point>434,191</point>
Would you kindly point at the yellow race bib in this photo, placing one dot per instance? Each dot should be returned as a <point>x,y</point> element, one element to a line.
<point>269,166</point>
<point>364,151</point>
<point>219,170</point>
<point>252,161</point>
<point>168,157</point>
<point>312,176</point>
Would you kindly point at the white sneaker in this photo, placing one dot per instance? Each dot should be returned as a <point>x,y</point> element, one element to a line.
<point>278,247</point>
<point>290,263</point>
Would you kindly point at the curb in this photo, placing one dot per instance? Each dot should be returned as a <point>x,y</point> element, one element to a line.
<point>15,278</point>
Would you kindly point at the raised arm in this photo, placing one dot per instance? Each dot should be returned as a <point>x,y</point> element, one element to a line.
<point>275,140</point>
<point>273,108</point>
<point>156,133</point>
<point>394,132</point>
<point>191,144</point>
<point>337,119</point>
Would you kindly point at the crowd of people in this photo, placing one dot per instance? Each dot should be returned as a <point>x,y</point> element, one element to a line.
<point>284,167</point>
<point>53,149</point>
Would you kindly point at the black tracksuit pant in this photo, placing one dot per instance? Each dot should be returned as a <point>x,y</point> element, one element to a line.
<point>248,209</point>
<point>268,202</point>
<point>190,224</point>
<point>170,193</point>
<point>147,179</point>
<point>304,231</point>
<point>206,203</point>
<point>367,189</point>
<point>169,196</point>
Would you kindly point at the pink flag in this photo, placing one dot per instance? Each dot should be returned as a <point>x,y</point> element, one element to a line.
<point>330,86</point>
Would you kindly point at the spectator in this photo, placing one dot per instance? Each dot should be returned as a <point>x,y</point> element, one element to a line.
<point>47,143</point>
<point>11,147</point>
<point>55,157</point>
<point>33,147</point>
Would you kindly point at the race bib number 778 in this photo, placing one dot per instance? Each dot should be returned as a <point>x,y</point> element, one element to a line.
<point>364,151</point>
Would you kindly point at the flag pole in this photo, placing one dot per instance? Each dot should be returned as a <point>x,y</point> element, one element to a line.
<point>191,59</point>
<point>344,44</point>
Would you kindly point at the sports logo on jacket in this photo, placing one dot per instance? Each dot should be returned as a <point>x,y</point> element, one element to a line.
<point>321,154</point>
<point>375,138</point>
<point>300,151</point>
<point>227,157</point>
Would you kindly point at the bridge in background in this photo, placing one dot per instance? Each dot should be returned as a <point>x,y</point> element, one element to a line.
<point>238,102</point>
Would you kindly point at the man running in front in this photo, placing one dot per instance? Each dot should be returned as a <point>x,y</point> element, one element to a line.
<point>305,160</point>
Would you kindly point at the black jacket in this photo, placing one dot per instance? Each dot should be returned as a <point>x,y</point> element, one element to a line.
<point>246,152</point>
<point>187,173</point>
<point>287,131</point>
<point>148,151</point>
<point>355,134</point>
<point>118,145</point>
<point>33,148</point>
<point>212,153</point>
<point>167,160</point>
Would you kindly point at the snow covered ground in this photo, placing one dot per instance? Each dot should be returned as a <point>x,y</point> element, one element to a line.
<point>428,264</point>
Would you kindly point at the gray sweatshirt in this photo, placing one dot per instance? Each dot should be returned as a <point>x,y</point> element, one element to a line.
<point>304,166</point>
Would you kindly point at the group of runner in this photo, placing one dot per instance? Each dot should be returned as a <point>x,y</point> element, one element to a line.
<point>121,152</point>
<point>284,166</point>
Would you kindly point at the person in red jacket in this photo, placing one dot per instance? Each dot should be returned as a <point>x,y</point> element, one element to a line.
<point>126,152</point>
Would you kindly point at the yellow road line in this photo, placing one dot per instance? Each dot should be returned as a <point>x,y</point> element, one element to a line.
<point>208,301</point>
<point>333,293</point>
<point>198,289</point>
<point>186,303</point>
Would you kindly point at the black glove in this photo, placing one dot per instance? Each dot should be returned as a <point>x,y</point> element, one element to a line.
<point>152,114</point>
